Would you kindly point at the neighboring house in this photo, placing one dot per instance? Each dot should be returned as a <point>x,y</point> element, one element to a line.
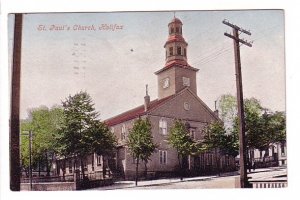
<point>95,167</point>
<point>275,155</point>
<point>177,99</point>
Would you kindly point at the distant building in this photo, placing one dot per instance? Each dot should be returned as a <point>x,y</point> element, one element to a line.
<point>275,155</point>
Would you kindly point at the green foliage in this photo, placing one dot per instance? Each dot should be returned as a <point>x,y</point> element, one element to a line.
<point>261,127</point>
<point>44,124</point>
<point>262,130</point>
<point>180,139</point>
<point>228,108</point>
<point>140,140</point>
<point>215,137</point>
<point>83,133</point>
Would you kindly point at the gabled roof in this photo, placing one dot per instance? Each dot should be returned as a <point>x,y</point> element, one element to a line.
<point>135,112</point>
<point>196,97</point>
<point>140,110</point>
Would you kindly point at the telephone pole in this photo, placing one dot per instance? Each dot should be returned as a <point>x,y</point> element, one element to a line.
<point>14,136</point>
<point>239,86</point>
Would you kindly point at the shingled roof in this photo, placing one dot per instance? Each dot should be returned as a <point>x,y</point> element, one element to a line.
<point>135,112</point>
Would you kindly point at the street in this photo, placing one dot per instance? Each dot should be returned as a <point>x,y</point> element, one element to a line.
<point>197,182</point>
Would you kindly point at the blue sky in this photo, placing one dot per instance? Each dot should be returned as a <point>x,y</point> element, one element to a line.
<point>58,63</point>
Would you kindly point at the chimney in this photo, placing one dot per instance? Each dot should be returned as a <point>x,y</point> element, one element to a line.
<point>216,110</point>
<point>216,113</point>
<point>146,100</point>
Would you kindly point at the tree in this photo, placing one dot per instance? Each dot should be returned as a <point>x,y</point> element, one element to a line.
<point>83,133</point>
<point>215,138</point>
<point>140,143</point>
<point>45,124</point>
<point>180,140</point>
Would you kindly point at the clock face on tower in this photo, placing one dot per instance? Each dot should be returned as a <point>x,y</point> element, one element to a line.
<point>166,83</point>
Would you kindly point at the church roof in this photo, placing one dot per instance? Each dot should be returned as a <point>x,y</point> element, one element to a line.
<point>176,63</point>
<point>176,20</point>
<point>175,38</point>
<point>135,112</point>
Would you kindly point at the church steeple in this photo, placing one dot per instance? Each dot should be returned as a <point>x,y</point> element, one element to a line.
<point>176,46</point>
<point>177,74</point>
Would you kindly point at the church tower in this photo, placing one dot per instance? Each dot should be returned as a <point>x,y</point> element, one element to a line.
<point>177,73</point>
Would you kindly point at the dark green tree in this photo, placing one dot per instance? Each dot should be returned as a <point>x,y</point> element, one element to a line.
<point>180,140</point>
<point>83,133</point>
<point>140,143</point>
<point>215,138</point>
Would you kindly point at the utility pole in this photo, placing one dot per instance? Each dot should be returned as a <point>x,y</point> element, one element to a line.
<point>239,86</point>
<point>14,136</point>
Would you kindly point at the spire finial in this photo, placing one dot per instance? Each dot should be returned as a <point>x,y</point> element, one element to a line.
<point>146,89</point>
<point>174,14</point>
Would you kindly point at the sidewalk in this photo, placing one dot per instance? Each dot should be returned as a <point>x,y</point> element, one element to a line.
<point>145,183</point>
<point>164,182</point>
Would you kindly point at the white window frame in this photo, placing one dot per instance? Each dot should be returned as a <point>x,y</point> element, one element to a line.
<point>99,158</point>
<point>123,132</point>
<point>163,126</point>
<point>186,81</point>
<point>163,156</point>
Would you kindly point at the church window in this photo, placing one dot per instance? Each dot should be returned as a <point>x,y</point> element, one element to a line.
<point>177,29</point>
<point>186,106</point>
<point>162,157</point>
<point>171,51</point>
<point>186,81</point>
<point>163,126</point>
<point>178,50</point>
<point>172,30</point>
<point>184,51</point>
<point>123,132</point>
<point>193,133</point>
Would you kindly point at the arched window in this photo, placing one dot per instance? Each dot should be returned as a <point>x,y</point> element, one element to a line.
<point>163,126</point>
<point>177,29</point>
<point>171,51</point>
<point>178,50</point>
<point>184,52</point>
<point>172,30</point>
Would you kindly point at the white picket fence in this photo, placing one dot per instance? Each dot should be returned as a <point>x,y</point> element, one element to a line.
<point>269,184</point>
